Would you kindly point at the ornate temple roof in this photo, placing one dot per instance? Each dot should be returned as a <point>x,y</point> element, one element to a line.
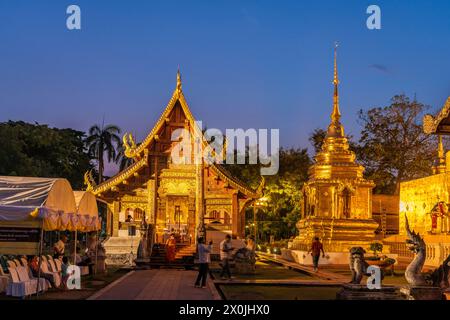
<point>140,152</point>
<point>440,123</point>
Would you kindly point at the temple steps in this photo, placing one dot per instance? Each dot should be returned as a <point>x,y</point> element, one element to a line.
<point>184,257</point>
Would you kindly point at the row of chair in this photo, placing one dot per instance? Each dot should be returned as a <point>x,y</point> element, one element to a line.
<point>21,282</point>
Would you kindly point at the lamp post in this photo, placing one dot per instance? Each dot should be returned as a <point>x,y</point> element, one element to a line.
<point>259,203</point>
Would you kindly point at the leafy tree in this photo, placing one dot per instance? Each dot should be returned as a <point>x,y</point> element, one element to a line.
<point>101,140</point>
<point>39,151</point>
<point>393,146</point>
<point>283,193</point>
<point>316,139</point>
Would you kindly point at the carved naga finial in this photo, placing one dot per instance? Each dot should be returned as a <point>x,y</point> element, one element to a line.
<point>415,241</point>
<point>89,181</point>
<point>129,145</point>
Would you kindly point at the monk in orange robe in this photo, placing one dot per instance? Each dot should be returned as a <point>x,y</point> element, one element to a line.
<point>171,245</point>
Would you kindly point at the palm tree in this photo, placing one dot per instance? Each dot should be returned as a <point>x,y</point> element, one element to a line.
<point>100,140</point>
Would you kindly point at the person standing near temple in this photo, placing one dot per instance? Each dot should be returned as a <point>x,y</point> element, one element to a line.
<point>225,255</point>
<point>59,247</point>
<point>204,260</point>
<point>316,248</point>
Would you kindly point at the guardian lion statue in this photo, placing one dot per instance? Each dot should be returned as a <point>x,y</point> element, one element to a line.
<point>358,265</point>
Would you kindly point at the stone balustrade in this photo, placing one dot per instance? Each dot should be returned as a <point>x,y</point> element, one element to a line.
<point>436,252</point>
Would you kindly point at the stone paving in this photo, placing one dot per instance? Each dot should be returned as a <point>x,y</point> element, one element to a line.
<point>157,284</point>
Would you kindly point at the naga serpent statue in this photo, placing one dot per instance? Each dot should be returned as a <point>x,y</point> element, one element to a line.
<point>413,273</point>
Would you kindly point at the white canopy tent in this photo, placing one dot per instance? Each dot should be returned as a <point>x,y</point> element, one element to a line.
<point>87,211</point>
<point>49,199</point>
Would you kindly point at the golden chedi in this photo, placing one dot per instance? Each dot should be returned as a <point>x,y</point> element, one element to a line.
<point>337,205</point>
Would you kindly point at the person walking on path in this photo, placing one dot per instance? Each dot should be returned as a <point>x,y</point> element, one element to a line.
<point>315,250</point>
<point>204,260</point>
<point>225,255</point>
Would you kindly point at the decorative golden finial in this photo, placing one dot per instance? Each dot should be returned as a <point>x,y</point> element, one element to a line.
<point>336,115</point>
<point>178,80</point>
<point>335,129</point>
<point>439,166</point>
<point>441,149</point>
<point>129,146</point>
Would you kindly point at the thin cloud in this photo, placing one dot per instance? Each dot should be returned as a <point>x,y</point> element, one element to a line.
<point>380,67</point>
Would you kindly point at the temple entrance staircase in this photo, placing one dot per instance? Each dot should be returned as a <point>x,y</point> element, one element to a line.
<point>184,257</point>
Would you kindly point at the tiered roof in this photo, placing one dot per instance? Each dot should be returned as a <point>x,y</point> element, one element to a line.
<point>140,152</point>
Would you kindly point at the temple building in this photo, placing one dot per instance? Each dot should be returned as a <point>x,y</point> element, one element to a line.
<point>425,201</point>
<point>185,198</point>
<point>337,204</point>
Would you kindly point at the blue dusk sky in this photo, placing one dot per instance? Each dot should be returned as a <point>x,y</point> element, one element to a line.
<point>245,64</point>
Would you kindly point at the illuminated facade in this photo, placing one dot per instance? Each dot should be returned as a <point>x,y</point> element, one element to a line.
<point>425,201</point>
<point>337,204</point>
<point>184,197</point>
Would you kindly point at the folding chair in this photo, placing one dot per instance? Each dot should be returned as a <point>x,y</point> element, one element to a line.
<point>25,277</point>
<point>24,261</point>
<point>55,275</point>
<point>4,279</point>
<point>52,265</point>
<point>17,287</point>
<point>58,264</point>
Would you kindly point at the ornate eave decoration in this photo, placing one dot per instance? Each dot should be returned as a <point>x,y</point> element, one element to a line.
<point>111,184</point>
<point>236,183</point>
<point>432,125</point>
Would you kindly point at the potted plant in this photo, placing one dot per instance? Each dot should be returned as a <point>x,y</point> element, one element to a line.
<point>375,247</point>
<point>383,262</point>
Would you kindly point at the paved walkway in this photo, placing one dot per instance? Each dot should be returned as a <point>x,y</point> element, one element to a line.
<point>325,275</point>
<point>158,284</point>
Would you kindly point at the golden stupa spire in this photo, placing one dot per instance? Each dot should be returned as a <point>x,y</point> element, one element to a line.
<point>335,129</point>
<point>336,115</point>
<point>178,80</point>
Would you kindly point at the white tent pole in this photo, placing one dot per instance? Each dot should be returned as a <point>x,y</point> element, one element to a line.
<point>96,250</point>
<point>75,248</point>
<point>41,244</point>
